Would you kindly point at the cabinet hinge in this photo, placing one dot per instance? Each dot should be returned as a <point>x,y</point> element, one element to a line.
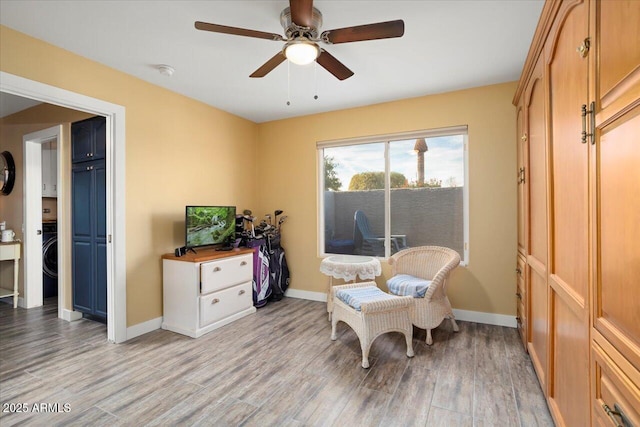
<point>521,176</point>
<point>109,238</point>
<point>592,122</point>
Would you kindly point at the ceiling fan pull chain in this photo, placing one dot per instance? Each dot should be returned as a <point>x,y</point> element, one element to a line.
<point>288,82</point>
<point>315,78</point>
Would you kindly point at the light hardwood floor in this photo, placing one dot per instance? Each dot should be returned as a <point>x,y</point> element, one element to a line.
<point>275,368</point>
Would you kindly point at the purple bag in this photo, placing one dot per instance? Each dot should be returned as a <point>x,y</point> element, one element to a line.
<point>261,286</point>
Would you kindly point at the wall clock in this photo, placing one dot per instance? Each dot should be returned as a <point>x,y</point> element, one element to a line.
<point>7,173</point>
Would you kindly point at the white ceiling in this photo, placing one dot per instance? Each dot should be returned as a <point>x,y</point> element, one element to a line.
<point>447,45</point>
<point>10,104</point>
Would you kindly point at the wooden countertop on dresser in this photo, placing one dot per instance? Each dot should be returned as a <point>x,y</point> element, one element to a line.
<point>202,255</point>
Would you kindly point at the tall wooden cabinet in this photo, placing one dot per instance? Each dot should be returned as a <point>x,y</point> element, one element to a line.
<point>578,121</point>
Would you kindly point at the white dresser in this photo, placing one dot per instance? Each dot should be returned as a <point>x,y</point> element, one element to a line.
<point>206,290</point>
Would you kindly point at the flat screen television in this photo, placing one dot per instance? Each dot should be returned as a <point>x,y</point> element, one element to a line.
<point>209,225</point>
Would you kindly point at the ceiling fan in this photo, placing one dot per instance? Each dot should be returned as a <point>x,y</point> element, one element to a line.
<point>301,22</point>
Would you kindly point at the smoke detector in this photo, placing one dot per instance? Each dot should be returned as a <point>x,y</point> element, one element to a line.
<point>166,70</point>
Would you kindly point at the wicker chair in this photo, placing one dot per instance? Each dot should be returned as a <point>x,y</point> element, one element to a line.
<point>429,263</point>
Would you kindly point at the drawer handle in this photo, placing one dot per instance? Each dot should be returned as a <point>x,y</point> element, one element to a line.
<point>215,301</point>
<point>243,263</point>
<point>616,412</point>
<point>216,269</point>
<point>241,292</point>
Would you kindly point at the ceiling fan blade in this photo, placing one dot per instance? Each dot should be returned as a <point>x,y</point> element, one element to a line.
<point>268,66</point>
<point>380,30</point>
<point>302,12</point>
<point>204,26</point>
<point>332,65</point>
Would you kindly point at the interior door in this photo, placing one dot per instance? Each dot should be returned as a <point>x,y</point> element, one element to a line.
<point>33,145</point>
<point>536,269</point>
<point>617,179</point>
<point>569,214</point>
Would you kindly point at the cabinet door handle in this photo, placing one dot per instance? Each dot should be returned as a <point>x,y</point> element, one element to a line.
<point>583,49</point>
<point>241,292</point>
<point>616,412</point>
<point>243,263</point>
<point>215,301</point>
<point>216,269</point>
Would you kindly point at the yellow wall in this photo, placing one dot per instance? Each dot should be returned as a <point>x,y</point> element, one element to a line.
<point>178,152</point>
<point>287,150</point>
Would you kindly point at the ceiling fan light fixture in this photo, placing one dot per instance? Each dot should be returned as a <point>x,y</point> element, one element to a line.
<point>301,52</point>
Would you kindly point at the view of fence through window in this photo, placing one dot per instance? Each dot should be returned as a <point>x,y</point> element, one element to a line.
<point>425,195</point>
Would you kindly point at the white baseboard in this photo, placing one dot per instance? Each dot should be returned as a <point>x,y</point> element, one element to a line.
<point>486,318</point>
<point>144,327</point>
<point>464,315</point>
<point>308,295</point>
<point>70,315</point>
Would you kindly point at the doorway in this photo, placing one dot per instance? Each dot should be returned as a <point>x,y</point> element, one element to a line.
<point>115,177</point>
<point>33,145</point>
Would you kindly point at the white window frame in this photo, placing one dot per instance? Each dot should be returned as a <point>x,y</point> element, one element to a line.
<point>387,138</point>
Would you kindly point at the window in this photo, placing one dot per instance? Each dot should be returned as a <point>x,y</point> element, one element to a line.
<point>379,195</point>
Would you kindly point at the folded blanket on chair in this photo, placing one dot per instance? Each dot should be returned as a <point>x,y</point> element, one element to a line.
<point>405,284</point>
<point>354,297</point>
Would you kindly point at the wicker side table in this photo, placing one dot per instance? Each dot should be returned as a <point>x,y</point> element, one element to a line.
<point>348,268</point>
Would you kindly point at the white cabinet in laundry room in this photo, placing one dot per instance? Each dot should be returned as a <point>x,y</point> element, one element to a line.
<point>50,169</point>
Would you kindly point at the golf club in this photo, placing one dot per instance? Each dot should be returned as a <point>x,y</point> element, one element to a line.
<point>280,223</point>
<point>275,215</point>
<point>250,220</point>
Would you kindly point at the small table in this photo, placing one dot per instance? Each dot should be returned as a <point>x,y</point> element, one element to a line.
<point>11,251</point>
<point>348,268</point>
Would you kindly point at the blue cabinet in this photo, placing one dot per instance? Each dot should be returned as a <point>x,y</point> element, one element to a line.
<point>88,219</point>
<point>89,140</point>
